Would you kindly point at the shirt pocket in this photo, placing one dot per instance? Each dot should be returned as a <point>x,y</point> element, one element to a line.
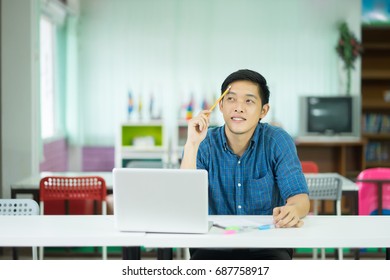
<point>260,194</point>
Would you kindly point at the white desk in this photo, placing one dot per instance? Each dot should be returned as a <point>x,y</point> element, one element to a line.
<point>318,232</point>
<point>64,231</point>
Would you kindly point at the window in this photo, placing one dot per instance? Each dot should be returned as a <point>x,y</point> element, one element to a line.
<point>47,58</point>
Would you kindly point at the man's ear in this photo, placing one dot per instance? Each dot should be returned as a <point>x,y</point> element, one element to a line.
<point>220,105</point>
<point>264,111</point>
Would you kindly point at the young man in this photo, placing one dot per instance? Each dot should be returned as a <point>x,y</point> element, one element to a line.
<point>253,167</point>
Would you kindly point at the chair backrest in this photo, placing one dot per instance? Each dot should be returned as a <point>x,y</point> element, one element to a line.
<point>18,207</point>
<point>68,189</point>
<point>324,188</point>
<point>368,195</point>
<point>309,167</point>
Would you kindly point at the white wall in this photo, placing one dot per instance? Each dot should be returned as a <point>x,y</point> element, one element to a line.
<point>171,47</point>
<point>19,84</point>
<point>178,47</point>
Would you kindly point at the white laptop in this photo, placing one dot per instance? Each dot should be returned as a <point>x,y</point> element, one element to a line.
<point>161,200</point>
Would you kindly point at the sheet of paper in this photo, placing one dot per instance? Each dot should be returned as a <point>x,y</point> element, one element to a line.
<point>240,222</point>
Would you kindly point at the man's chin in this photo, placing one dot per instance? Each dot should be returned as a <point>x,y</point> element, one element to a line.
<point>236,130</point>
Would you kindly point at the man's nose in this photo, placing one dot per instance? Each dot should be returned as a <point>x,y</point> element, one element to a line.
<point>239,107</point>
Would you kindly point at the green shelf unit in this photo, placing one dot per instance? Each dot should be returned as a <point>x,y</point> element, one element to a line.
<point>129,132</point>
<point>151,154</point>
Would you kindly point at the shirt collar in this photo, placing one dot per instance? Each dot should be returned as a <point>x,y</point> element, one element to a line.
<point>255,137</point>
<point>225,146</point>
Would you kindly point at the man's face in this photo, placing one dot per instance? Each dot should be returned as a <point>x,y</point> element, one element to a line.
<point>242,107</point>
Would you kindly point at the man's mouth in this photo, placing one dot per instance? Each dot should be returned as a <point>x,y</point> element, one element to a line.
<point>238,119</point>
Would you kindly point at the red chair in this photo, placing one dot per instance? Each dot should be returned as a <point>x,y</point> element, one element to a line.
<point>63,191</point>
<point>374,183</point>
<point>309,167</point>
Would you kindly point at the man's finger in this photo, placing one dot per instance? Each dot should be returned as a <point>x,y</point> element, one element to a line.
<point>299,224</point>
<point>276,211</point>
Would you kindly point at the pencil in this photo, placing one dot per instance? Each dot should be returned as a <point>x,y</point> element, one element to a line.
<point>220,98</point>
<point>218,226</point>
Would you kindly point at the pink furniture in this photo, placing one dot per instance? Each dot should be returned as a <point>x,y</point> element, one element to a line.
<point>374,183</point>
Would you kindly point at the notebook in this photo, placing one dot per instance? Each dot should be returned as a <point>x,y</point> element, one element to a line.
<point>161,200</point>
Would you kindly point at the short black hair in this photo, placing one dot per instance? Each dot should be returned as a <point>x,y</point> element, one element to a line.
<point>249,75</point>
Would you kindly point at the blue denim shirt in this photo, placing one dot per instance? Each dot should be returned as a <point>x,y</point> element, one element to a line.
<point>264,177</point>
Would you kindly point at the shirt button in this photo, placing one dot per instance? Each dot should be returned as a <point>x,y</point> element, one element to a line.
<point>239,184</point>
<point>239,161</point>
<point>239,206</point>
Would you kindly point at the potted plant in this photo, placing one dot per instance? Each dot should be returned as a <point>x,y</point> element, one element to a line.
<point>349,49</point>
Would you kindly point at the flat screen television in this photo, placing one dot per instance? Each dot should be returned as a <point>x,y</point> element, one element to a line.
<point>330,116</point>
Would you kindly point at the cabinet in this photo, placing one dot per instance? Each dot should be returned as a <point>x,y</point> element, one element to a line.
<point>376,95</point>
<point>345,158</point>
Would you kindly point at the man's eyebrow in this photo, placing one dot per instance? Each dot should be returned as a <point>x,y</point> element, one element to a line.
<point>253,95</point>
<point>247,95</point>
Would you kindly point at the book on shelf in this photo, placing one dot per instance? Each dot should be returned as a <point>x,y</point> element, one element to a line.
<point>376,123</point>
<point>378,151</point>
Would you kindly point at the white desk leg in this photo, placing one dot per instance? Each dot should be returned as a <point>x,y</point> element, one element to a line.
<point>315,253</point>
<point>179,254</point>
<point>104,253</point>
<point>315,212</point>
<point>340,253</point>
<point>34,253</point>
<point>186,254</point>
<point>323,255</point>
<point>41,253</point>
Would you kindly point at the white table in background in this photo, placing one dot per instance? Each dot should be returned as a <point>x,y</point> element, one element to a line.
<point>31,184</point>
